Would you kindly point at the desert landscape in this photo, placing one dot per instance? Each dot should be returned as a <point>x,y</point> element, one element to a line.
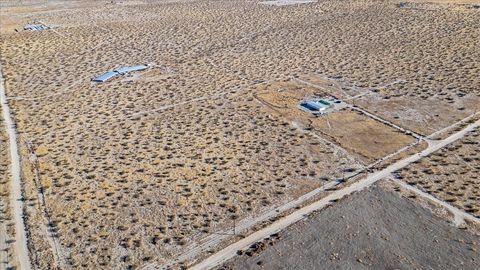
<point>6,226</point>
<point>365,242</point>
<point>197,159</point>
<point>451,174</point>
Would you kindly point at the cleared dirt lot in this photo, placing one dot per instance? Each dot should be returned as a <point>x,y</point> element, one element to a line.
<point>421,115</point>
<point>371,229</point>
<point>360,135</point>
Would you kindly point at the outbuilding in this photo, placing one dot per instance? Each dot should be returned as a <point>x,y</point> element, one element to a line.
<point>105,76</point>
<point>35,27</point>
<point>120,71</point>
<point>318,106</point>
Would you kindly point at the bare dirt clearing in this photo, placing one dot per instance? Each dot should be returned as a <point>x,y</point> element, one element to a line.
<point>369,229</point>
<point>421,116</point>
<point>352,130</point>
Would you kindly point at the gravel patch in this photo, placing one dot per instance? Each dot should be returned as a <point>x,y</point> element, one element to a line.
<point>372,229</point>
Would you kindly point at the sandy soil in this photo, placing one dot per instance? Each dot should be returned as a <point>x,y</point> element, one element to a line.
<point>451,174</point>
<point>446,1</point>
<point>369,229</point>
<point>370,179</point>
<point>421,116</point>
<point>6,223</point>
<point>16,198</point>
<point>158,161</point>
<point>360,135</point>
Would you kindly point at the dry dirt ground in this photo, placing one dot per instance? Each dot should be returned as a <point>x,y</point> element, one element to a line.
<point>451,174</point>
<point>372,140</point>
<point>138,169</point>
<point>6,223</point>
<point>371,229</point>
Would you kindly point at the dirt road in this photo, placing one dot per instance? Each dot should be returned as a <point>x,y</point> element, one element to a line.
<point>230,251</point>
<point>16,198</point>
<point>459,215</point>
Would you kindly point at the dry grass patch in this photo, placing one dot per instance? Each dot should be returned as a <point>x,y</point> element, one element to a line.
<point>424,115</point>
<point>360,134</point>
<point>354,131</point>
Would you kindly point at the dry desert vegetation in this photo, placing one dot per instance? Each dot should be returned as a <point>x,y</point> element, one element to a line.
<point>451,174</point>
<point>154,168</point>
<point>373,140</point>
<point>6,224</point>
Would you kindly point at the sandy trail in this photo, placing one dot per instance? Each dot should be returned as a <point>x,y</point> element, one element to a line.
<point>144,113</point>
<point>16,197</point>
<point>4,263</point>
<point>459,215</point>
<point>230,251</point>
<point>445,129</point>
<point>376,88</point>
<point>336,84</point>
<point>235,91</point>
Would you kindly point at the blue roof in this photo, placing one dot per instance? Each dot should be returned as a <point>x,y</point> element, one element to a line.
<point>105,76</point>
<point>314,105</point>
<point>124,70</point>
<point>309,106</point>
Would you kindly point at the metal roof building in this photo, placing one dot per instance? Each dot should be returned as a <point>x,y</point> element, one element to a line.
<point>319,105</point>
<point>119,71</point>
<point>125,70</point>
<point>105,76</point>
<point>35,27</point>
